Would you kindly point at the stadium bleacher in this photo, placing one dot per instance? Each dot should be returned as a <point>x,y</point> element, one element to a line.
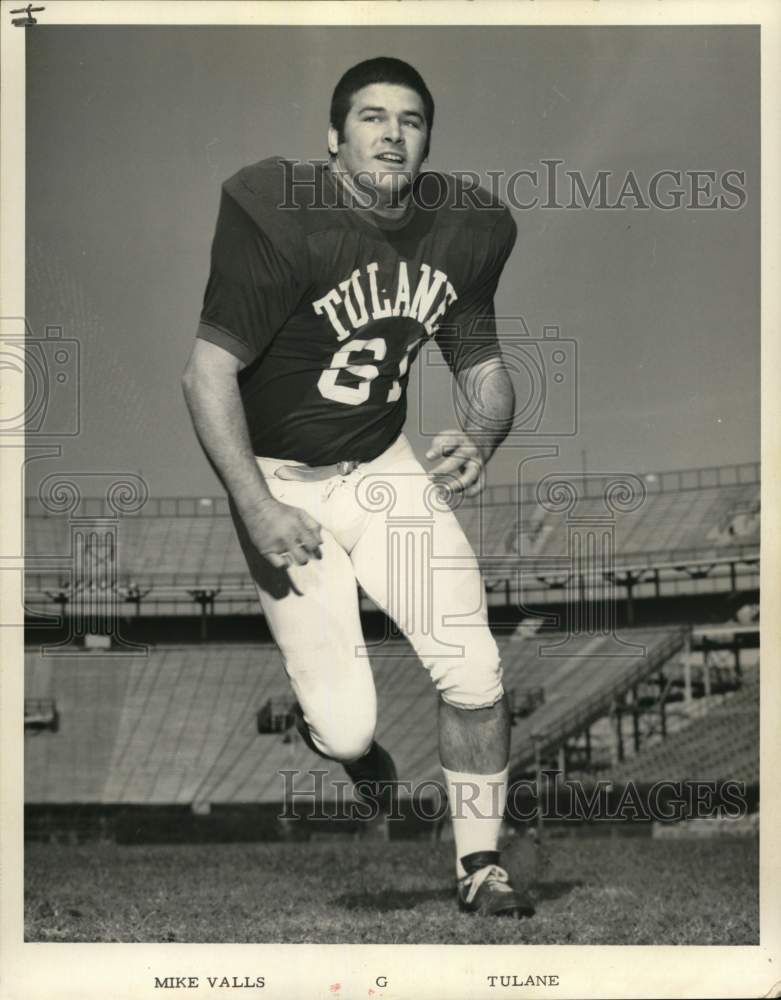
<point>90,695</point>
<point>723,744</point>
<point>165,550</point>
<point>694,522</point>
<point>179,725</point>
<point>580,681</point>
<point>687,521</point>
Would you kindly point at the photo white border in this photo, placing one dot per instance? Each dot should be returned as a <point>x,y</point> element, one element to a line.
<point>417,972</point>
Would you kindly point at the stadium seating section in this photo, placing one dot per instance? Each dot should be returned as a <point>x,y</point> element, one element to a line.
<point>191,549</point>
<point>722,744</point>
<point>179,725</point>
<point>709,520</point>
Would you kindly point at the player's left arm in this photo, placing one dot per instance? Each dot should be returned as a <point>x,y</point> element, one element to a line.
<point>487,405</point>
<point>469,343</point>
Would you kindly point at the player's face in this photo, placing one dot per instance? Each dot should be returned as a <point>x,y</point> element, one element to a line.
<point>384,137</point>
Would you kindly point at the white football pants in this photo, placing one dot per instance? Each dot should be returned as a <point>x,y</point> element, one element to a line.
<point>386,526</point>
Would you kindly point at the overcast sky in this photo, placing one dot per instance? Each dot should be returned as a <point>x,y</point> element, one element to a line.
<point>132,130</point>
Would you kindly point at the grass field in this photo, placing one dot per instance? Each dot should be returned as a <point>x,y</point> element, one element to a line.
<point>589,891</point>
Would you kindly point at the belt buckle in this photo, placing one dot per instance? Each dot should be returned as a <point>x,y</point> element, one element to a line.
<point>345,468</point>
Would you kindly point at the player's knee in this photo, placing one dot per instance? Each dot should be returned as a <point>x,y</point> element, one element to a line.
<point>340,709</point>
<point>471,681</point>
<point>345,735</point>
<point>346,746</point>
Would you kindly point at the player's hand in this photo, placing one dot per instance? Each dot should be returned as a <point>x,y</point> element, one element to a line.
<point>461,463</point>
<point>285,535</point>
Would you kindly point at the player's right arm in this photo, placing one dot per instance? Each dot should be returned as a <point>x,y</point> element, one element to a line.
<point>212,393</point>
<point>252,288</point>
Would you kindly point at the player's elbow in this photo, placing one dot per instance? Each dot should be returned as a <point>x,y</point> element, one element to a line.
<point>498,393</point>
<point>188,380</point>
<point>195,384</point>
<point>209,364</point>
<point>195,373</point>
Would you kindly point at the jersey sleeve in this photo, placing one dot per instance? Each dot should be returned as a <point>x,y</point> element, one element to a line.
<point>253,287</point>
<point>468,331</point>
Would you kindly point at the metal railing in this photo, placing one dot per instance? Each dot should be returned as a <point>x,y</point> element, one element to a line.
<point>498,571</point>
<point>586,712</point>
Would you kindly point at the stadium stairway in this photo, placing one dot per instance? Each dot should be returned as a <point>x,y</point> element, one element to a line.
<point>721,744</point>
<point>581,678</point>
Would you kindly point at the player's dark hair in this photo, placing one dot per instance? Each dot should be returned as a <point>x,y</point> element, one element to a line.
<point>383,69</point>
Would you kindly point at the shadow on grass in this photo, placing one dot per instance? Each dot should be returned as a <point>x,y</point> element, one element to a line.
<point>553,889</point>
<point>382,902</point>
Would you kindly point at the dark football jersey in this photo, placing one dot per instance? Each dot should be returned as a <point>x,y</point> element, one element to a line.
<point>327,306</point>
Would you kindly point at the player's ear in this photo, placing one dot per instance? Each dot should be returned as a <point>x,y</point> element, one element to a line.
<point>333,140</point>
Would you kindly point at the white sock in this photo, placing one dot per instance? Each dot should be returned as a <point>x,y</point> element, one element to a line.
<point>477,808</point>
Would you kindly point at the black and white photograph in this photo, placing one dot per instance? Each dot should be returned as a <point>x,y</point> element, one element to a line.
<point>384,445</point>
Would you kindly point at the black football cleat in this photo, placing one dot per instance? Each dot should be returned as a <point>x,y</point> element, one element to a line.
<point>375,778</point>
<point>375,782</point>
<point>486,889</point>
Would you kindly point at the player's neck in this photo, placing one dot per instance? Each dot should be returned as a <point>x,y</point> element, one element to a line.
<point>388,205</point>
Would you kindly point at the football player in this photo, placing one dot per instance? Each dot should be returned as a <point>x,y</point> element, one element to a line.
<point>326,279</point>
